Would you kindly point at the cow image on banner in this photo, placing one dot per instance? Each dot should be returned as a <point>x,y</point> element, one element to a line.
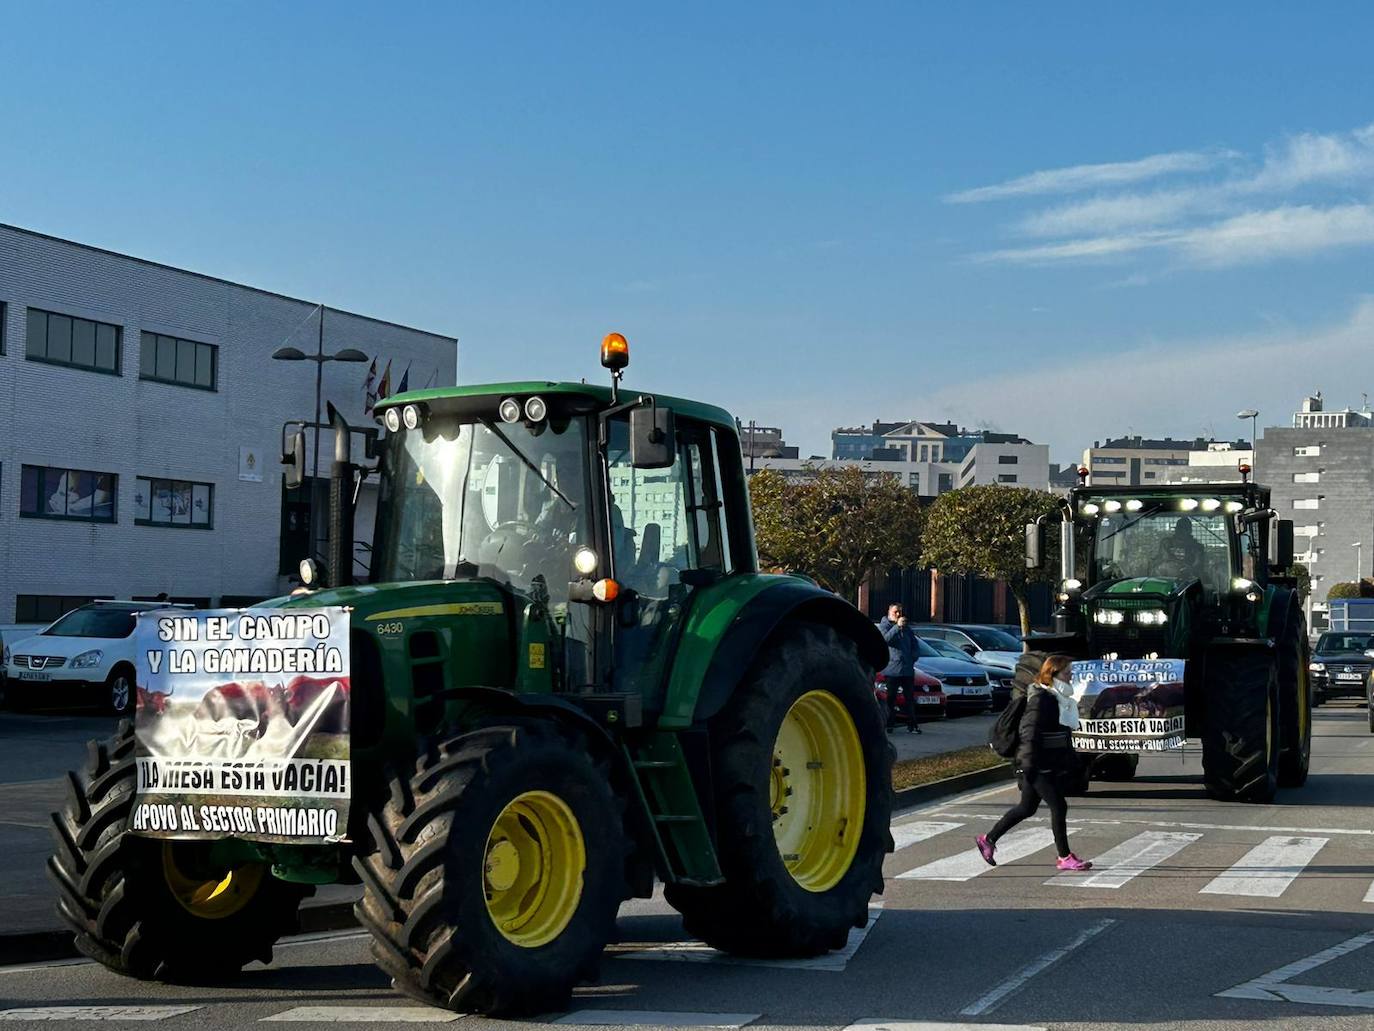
<point>1128,705</point>
<point>242,724</point>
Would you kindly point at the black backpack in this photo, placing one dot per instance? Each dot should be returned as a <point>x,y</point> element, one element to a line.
<point>1005,733</point>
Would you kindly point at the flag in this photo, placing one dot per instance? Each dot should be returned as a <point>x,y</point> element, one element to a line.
<point>384,387</point>
<point>370,388</point>
<point>405,381</point>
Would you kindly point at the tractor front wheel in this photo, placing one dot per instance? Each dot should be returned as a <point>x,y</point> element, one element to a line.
<point>157,909</point>
<point>498,868</point>
<point>803,799</point>
<point>1240,739</point>
<point>1295,700</point>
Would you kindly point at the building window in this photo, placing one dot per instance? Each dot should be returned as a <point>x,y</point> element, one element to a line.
<point>946,482</point>
<point>1006,478</point>
<point>914,481</point>
<point>1307,477</point>
<point>4,311</point>
<point>1305,531</point>
<point>77,343</point>
<point>159,502</point>
<point>1310,451</point>
<point>1007,459</point>
<point>1307,503</point>
<point>49,608</point>
<point>48,493</point>
<point>186,363</point>
<point>1108,460</point>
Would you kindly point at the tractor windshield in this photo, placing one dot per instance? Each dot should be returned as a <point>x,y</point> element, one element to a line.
<point>1155,542</point>
<point>462,498</point>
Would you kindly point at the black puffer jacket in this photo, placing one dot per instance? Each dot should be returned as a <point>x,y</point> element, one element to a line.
<point>1044,741</point>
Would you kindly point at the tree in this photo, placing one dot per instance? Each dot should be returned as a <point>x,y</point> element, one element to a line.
<point>1349,589</point>
<point>982,530</point>
<point>1303,578</point>
<point>838,525</point>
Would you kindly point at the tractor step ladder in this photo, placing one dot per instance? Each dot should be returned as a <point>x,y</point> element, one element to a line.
<point>665,786</point>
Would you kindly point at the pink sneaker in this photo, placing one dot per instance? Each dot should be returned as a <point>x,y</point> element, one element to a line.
<point>1072,862</point>
<point>986,849</point>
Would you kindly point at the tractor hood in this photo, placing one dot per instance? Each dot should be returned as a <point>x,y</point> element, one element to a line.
<point>1120,590</point>
<point>425,599</point>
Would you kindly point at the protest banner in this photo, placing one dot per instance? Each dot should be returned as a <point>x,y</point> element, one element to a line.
<point>1128,705</point>
<point>242,724</point>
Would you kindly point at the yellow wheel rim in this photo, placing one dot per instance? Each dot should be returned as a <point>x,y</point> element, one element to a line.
<point>816,790</point>
<point>532,869</point>
<point>209,894</point>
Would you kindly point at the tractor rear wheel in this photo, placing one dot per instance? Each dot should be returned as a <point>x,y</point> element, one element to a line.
<point>1295,700</point>
<point>498,868</point>
<point>1119,768</point>
<point>157,909</point>
<point>1240,738</point>
<point>803,800</point>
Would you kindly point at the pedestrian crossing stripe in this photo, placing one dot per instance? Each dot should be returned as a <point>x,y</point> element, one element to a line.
<point>1120,865</point>
<point>906,834</point>
<point>365,1015</point>
<point>656,1018</point>
<point>141,1013</point>
<point>1268,869</point>
<point>968,864</point>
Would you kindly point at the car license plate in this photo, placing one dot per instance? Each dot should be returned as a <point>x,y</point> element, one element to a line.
<point>927,699</point>
<point>29,674</point>
<point>1348,676</point>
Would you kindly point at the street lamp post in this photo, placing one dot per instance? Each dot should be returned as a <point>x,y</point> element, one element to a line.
<point>1253,415</point>
<point>295,354</point>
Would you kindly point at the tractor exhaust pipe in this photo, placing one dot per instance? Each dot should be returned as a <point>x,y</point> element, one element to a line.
<point>340,552</point>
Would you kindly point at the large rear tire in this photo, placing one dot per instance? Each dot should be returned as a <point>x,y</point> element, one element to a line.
<point>1295,700</point>
<point>498,870</point>
<point>1240,740</point>
<point>1118,768</point>
<point>803,802</point>
<point>157,909</point>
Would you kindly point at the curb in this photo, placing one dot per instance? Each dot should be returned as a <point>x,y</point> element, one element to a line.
<point>42,946</point>
<point>951,786</point>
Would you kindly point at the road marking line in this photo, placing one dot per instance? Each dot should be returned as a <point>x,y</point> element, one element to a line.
<point>1268,869</point>
<point>1184,825</point>
<point>877,1024</point>
<point>1369,895</point>
<point>1017,981</point>
<point>907,834</point>
<point>323,937</point>
<point>367,1015</point>
<point>969,796</point>
<point>1272,987</point>
<point>698,952</point>
<point>968,864</point>
<point>97,1012</point>
<point>1119,865</point>
<point>656,1018</point>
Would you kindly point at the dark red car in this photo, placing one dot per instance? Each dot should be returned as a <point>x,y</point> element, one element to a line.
<point>928,699</point>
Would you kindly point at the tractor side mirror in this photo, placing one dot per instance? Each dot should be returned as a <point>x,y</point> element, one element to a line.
<point>653,437</point>
<point>293,457</point>
<point>1035,547</point>
<point>1283,540</point>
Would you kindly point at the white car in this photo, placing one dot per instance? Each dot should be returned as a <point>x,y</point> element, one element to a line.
<point>86,658</point>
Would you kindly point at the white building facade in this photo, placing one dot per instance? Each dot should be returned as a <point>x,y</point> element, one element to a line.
<point>140,425</point>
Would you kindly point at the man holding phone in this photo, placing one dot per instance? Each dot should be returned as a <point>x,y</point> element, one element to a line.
<point>899,673</point>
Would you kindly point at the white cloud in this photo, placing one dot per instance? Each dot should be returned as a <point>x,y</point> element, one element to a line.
<point>1104,214</point>
<point>1254,236</point>
<point>1087,177</point>
<point>1314,158</point>
<point>1181,388</point>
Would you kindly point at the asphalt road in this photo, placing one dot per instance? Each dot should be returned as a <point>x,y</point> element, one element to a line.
<point>1199,915</point>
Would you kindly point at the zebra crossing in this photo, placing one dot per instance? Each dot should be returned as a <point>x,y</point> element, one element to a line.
<point>1266,869</point>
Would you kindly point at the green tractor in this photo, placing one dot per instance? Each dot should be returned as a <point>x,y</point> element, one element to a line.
<point>1196,572</point>
<point>569,680</point>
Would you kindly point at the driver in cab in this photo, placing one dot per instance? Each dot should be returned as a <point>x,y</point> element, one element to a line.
<point>1180,554</point>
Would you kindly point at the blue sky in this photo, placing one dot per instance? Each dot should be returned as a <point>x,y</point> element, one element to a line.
<point>1073,222</point>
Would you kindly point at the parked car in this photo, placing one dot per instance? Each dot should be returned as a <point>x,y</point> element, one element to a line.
<point>1001,676</point>
<point>1339,667</point>
<point>981,643</point>
<point>84,659</point>
<point>13,632</point>
<point>967,685</point>
<point>928,698</point>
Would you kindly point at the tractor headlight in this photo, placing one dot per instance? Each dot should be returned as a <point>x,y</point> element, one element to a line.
<point>87,660</point>
<point>392,418</point>
<point>1152,617</point>
<point>535,409</point>
<point>509,410</point>
<point>1109,617</point>
<point>1188,504</point>
<point>1090,509</point>
<point>1069,588</point>
<point>309,569</point>
<point>1317,667</point>
<point>1247,587</point>
<point>410,415</point>
<point>1134,505</point>
<point>1112,506</point>
<point>585,561</point>
<point>1232,507</point>
<point>1210,505</point>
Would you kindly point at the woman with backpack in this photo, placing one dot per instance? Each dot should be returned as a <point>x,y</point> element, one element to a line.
<point>1044,753</point>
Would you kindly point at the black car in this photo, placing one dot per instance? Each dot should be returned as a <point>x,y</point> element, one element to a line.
<point>1340,668</point>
